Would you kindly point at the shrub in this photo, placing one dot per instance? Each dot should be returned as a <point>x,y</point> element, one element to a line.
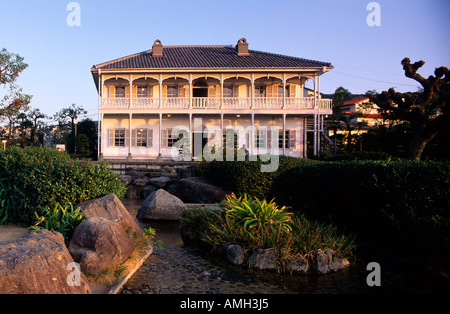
<point>385,202</point>
<point>270,228</point>
<point>7,205</point>
<point>60,219</point>
<point>40,177</point>
<point>255,213</point>
<point>363,155</point>
<point>245,177</point>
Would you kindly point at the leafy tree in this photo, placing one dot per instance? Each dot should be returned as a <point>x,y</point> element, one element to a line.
<point>68,116</point>
<point>35,116</point>
<point>427,111</point>
<point>341,120</point>
<point>89,128</point>
<point>11,65</point>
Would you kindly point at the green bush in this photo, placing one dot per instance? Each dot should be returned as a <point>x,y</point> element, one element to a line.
<point>246,177</point>
<point>303,237</point>
<point>40,177</point>
<point>363,155</point>
<point>386,202</point>
<point>255,213</point>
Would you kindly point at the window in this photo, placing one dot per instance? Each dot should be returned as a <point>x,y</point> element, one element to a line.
<point>228,91</point>
<point>260,91</point>
<point>168,140</point>
<point>290,139</point>
<point>141,138</point>
<point>280,91</point>
<point>120,92</point>
<point>261,138</point>
<point>142,92</point>
<point>118,138</point>
<point>172,91</point>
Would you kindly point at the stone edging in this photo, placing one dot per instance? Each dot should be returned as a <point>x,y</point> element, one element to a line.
<point>119,285</point>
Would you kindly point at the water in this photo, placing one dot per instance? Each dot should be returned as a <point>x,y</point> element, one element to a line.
<point>180,269</point>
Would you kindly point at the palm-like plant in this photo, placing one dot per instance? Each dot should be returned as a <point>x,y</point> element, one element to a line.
<point>254,213</point>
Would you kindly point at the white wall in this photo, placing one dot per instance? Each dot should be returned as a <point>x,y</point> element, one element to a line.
<point>148,121</point>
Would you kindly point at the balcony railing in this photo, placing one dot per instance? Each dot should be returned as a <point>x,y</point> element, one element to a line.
<point>264,103</point>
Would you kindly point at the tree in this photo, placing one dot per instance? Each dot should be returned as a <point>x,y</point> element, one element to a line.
<point>340,118</point>
<point>89,128</point>
<point>71,113</point>
<point>427,111</point>
<point>68,116</point>
<point>11,65</point>
<point>35,116</point>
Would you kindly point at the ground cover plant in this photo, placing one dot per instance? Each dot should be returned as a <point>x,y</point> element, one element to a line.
<point>257,224</point>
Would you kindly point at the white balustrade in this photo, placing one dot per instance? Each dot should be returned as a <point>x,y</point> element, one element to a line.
<point>259,103</point>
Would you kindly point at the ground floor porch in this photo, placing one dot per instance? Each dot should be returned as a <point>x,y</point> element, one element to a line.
<point>165,136</point>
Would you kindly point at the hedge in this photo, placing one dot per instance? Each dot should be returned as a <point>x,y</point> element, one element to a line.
<point>36,177</point>
<point>246,177</point>
<point>401,205</point>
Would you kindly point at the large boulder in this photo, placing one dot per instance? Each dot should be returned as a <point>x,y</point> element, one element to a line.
<point>39,263</point>
<point>110,207</point>
<point>99,244</point>
<point>161,205</point>
<point>135,175</point>
<point>200,191</point>
<point>161,182</point>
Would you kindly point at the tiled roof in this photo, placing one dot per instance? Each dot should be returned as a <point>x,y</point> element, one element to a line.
<point>356,101</point>
<point>220,57</point>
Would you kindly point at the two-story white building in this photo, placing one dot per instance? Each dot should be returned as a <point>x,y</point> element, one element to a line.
<point>143,97</point>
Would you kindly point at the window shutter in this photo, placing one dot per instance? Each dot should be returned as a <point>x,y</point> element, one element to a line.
<point>112,92</point>
<point>150,138</point>
<point>164,91</point>
<point>111,137</point>
<point>292,91</point>
<point>127,138</point>
<point>235,91</point>
<point>212,91</point>
<point>292,139</point>
<point>269,91</point>
<point>165,138</point>
<point>218,91</point>
<point>180,91</point>
<point>134,137</point>
<point>127,91</point>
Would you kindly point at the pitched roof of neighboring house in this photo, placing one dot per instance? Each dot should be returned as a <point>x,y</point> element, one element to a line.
<point>215,57</point>
<point>356,101</point>
<point>368,116</point>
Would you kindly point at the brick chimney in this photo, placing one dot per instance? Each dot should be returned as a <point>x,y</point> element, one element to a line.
<point>242,47</point>
<point>157,49</point>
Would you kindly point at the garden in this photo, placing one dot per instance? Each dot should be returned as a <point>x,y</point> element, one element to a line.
<point>398,206</point>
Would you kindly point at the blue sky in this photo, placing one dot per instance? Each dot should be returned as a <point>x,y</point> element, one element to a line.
<point>365,58</point>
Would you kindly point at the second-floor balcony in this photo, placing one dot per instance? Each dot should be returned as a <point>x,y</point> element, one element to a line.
<point>217,103</point>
